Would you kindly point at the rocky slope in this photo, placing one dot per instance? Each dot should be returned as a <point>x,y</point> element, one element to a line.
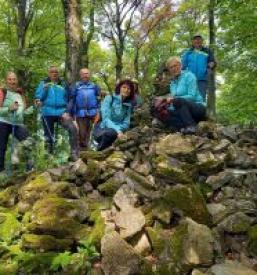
<point>155,203</point>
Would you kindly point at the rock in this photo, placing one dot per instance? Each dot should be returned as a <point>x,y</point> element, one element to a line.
<point>218,212</point>
<point>252,242</point>
<point>197,272</point>
<point>117,160</point>
<point>141,245</point>
<point>172,170</point>
<point>111,186</point>
<point>125,197</point>
<point>119,258</point>
<point>231,268</point>
<point>44,243</point>
<point>175,145</point>
<point>130,221</point>
<point>57,216</point>
<point>9,196</point>
<point>220,179</point>
<point>10,227</point>
<point>136,179</point>
<point>189,199</point>
<point>209,163</point>
<point>222,146</point>
<point>236,223</point>
<point>162,212</point>
<point>141,165</point>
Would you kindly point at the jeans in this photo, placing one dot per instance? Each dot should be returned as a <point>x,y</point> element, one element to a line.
<point>186,113</point>
<point>104,136</point>
<point>20,132</point>
<point>68,124</point>
<point>84,124</point>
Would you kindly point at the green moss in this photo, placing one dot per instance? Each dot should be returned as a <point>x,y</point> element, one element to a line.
<point>189,199</point>
<point>93,171</point>
<point>138,179</point>
<point>98,229</point>
<point>252,243</point>
<point>8,268</point>
<point>159,239</point>
<point>8,196</point>
<point>10,227</point>
<point>45,242</point>
<point>110,187</point>
<point>96,155</point>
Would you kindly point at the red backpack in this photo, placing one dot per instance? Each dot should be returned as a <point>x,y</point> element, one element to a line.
<point>3,92</point>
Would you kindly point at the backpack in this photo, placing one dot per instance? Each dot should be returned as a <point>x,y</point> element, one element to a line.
<point>160,109</point>
<point>3,92</point>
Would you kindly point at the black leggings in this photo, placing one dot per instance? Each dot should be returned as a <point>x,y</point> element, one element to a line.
<point>20,132</point>
<point>104,136</point>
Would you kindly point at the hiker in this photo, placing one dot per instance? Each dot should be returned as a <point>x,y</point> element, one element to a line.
<point>187,106</point>
<point>85,105</point>
<point>13,107</point>
<point>115,115</point>
<point>51,97</point>
<point>199,59</point>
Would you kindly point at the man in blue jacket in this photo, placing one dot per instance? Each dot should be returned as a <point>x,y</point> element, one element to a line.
<point>198,60</point>
<point>85,105</point>
<point>52,96</point>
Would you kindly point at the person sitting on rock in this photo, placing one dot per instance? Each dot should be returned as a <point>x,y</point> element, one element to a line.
<point>13,107</point>
<point>187,105</point>
<point>115,115</point>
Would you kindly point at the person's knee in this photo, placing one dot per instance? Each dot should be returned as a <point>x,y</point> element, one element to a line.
<point>178,102</point>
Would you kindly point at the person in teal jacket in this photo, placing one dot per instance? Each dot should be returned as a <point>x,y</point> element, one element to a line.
<point>13,107</point>
<point>52,96</point>
<point>187,105</point>
<point>199,60</point>
<point>115,115</point>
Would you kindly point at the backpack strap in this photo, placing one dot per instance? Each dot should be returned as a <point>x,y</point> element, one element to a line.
<point>3,92</point>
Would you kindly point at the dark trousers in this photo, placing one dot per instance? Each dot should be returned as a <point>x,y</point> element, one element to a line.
<point>202,86</point>
<point>84,124</point>
<point>68,124</point>
<point>20,132</point>
<point>186,113</point>
<point>105,137</point>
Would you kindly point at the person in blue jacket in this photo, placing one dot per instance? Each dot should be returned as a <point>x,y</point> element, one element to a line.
<point>115,115</point>
<point>52,96</point>
<point>85,105</point>
<point>187,105</point>
<point>199,60</point>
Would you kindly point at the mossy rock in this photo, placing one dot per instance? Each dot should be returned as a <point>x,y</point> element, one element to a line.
<point>57,216</point>
<point>8,268</point>
<point>117,160</point>
<point>10,227</point>
<point>252,242</point>
<point>93,172</point>
<point>44,243</point>
<point>162,212</point>
<point>190,200</point>
<point>110,187</point>
<point>98,230</point>
<point>95,155</point>
<point>172,170</point>
<point>9,196</point>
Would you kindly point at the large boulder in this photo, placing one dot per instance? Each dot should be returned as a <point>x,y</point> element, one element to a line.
<point>119,258</point>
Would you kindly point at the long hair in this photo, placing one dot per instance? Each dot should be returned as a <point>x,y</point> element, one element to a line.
<point>131,87</point>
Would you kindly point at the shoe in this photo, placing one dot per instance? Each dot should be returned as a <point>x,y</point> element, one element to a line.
<point>94,145</point>
<point>190,130</point>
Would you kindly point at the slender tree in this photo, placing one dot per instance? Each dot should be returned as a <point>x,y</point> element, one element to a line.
<point>211,87</point>
<point>73,34</point>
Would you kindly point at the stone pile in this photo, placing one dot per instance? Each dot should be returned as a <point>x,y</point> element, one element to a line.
<point>154,203</point>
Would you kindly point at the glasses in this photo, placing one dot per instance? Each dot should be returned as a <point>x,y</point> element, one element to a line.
<point>174,66</point>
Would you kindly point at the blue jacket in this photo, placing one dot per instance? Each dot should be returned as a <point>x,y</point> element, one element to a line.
<point>185,86</point>
<point>85,99</point>
<point>54,99</point>
<point>196,61</point>
<point>115,114</point>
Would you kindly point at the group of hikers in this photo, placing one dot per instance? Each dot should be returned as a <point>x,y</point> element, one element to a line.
<point>78,108</point>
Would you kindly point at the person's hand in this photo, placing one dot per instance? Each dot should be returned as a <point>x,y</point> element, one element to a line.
<point>66,116</point>
<point>14,106</point>
<point>37,102</point>
<point>211,65</point>
<point>121,136</point>
<point>170,100</point>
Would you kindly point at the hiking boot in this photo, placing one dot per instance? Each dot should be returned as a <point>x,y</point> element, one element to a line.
<point>190,130</point>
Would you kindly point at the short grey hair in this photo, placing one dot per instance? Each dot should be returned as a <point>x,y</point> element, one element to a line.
<point>173,58</point>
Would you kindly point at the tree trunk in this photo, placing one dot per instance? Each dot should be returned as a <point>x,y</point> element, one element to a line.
<point>73,34</point>
<point>211,103</point>
<point>136,63</point>
<point>90,34</point>
<point>119,64</point>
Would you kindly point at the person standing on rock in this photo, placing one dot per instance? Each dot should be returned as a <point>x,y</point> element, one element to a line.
<point>52,96</point>
<point>199,60</point>
<point>85,105</point>
<point>187,106</point>
<point>115,115</point>
<point>13,107</point>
